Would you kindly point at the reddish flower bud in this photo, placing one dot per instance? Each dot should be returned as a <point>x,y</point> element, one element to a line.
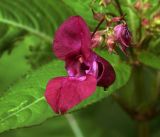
<point>96,40</point>
<point>156,22</point>
<point>123,36</point>
<point>110,42</point>
<point>98,16</point>
<point>105,2</point>
<point>138,5</point>
<point>117,19</point>
<point>145,22</point>
<point>156,18</point>
<point>147,5</point>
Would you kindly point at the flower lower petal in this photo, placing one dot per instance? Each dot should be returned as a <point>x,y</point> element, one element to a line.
<point>63,93</point>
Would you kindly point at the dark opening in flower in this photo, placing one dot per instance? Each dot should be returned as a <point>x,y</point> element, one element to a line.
<point>85,68</point>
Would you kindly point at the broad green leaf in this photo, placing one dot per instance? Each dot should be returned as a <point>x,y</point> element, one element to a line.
<point>82,8</point>
<point>149,59</point>
<point>142,89</point>
<point>40,17</point>
<point>13,66</point>
<point>18,62</point>
<point>131,16</point>
<point>9,36</point>
<point>104,121</point>
<point>24,105</point>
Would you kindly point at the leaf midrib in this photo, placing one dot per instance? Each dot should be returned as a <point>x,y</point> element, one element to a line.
<point>27,28</point>
<point>27,106</point>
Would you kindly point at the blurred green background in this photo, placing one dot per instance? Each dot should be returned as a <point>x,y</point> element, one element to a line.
<point>26,34</point>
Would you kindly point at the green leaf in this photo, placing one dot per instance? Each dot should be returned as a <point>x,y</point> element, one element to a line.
<point>17,60</point>
<point>149,59</point>
<point>13,66</point>
<point>40,17</point>
<point>8,37</point>
<point>154,45</point>
<point>104,121</point>
<point>142,89</point>
<point>132,17</point>
<point>83,9</point>
<point>24,105</point>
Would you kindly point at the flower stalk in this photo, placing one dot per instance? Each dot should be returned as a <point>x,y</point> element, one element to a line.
<point>74,125</point>
<point>143,129</point>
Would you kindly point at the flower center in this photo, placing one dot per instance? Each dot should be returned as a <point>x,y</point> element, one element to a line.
<point>81,67</point>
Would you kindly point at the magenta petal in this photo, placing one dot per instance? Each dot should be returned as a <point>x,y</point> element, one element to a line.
<point>63,93</point>
<point>106,73</point>
<point>72,37</point>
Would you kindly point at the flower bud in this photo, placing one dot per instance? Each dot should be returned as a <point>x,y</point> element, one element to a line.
<point>145,22</point>
<point>122,36</point>
<point>156,23</point>
<point>156,18</point>
<point>96,39</point>
<point>98,16</point>
<point>138,5</point>
<point>110,42</point>
<point>117,19</point>
<point>105,2</point>
<point>147,5</point>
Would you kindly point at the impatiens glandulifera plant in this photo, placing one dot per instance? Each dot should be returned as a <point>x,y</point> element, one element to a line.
<point>137,98</point>
<point>117,19</point>
<point>73,43</point>
<point>86,69</point>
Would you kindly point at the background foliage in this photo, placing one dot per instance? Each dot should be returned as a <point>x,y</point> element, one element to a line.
<point>27,63</point>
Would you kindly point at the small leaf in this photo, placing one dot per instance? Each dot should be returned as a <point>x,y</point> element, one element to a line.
<point>149,59</point>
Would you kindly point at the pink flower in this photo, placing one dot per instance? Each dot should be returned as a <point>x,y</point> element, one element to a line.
<point>85,68</point>
<point>122,36</point>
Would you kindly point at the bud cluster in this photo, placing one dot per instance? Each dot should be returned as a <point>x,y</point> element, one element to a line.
<point>150,22</point>
<point>113,35</point>
<point>139,5</point>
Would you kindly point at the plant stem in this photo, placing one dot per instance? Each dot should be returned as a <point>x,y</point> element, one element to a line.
<point>97,27</point>
<point>119,7</point>
<point>74,125</point>
<point>143,129</point>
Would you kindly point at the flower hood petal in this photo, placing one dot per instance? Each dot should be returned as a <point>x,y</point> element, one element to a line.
<point>72,37</point>
<point>106,73</point>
